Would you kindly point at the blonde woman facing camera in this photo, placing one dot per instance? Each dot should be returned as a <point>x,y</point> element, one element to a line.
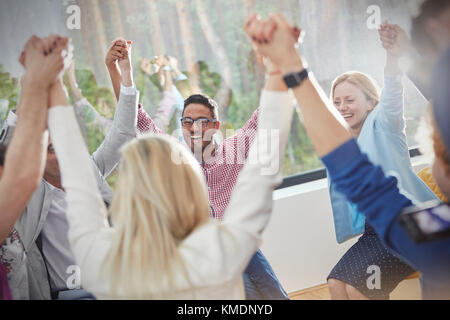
<point>378,124</point>
<point>162,244</point>
<point>377,196</point>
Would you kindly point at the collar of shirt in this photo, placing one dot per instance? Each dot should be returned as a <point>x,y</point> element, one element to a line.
<point>57,194</point>
<point>211,158</point>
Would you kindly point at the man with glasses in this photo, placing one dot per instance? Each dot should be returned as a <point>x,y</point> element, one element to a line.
<point>221,164</point>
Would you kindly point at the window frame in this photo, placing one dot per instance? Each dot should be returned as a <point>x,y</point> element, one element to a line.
<point>318,174</point>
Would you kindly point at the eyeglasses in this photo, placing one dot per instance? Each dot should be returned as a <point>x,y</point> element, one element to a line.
<point>187,122</point>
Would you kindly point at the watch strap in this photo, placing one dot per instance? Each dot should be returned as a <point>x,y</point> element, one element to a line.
<point>294,79</point>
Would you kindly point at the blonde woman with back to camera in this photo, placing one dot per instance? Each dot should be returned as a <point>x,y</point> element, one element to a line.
<point>161,244</point>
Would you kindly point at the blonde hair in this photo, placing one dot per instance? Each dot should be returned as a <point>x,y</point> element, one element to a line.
<point>157,204</point>
<point>367,84</point>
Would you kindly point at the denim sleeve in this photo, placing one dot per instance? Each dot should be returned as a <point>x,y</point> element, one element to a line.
<point>363,183</point>
<point>390,109</point>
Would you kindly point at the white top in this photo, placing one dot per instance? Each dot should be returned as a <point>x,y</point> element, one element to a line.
<point>221,250</point>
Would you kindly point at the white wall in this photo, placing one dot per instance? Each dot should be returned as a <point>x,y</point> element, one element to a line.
<point>300,242</point>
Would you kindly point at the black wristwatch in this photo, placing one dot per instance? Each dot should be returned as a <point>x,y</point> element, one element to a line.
<point>294,79</point>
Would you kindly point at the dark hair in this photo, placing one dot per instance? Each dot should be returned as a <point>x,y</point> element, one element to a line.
<point>204,100</point>
<point>2,155</point>
<point>429,9</point>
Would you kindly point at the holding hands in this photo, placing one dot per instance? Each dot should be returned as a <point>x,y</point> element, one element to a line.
<point>275,39</point>
<point>45,60</point>
<point>393,39</point>
<point>119,56</point>
<point>396,42</point>
<point>115,52</point>
<point>155,65</point>
<point>119,52</point>
<point>165,66</point>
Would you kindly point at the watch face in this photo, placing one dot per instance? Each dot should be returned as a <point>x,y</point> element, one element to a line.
<point>289,80</point>
<point>293,80</point>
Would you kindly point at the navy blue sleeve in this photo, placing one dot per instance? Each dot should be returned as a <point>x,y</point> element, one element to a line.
<point>365,184</point>
<point>379,199</point>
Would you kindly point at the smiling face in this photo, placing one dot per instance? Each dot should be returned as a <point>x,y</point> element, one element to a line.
<point>198,137</point>
<point>352,103</point>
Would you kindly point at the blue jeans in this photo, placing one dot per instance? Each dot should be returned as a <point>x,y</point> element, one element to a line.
<point>76,294</point>
<point>260,281</point>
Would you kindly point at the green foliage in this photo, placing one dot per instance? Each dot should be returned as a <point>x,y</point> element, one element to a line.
<point>9,90</point>
<point>209,81</point>
<point>101,98</point>
<point>94,136</point>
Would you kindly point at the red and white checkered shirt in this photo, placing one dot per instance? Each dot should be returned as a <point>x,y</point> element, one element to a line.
<point>222,170</point>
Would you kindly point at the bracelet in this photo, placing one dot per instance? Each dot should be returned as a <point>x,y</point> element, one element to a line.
<point>274,73</point>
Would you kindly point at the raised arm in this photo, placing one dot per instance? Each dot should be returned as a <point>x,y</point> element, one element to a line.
<point>326,127</point>
<point>145,123</point>
<point>25,157</point>
<point>82,106</point>
<point>117,50</point>
<point>86,211</point>
<point>123,127</point>
<point>163,113</point>
<point>391,106</point>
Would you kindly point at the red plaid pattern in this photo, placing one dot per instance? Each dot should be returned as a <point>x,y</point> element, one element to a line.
<point>221,172</point>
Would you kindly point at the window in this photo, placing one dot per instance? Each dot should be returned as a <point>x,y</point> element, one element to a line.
<point>207,38</point>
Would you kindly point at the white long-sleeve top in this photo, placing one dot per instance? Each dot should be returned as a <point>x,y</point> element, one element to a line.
<point>216,254</point>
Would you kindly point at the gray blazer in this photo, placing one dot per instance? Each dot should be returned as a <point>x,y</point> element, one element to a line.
<point>29,280</point>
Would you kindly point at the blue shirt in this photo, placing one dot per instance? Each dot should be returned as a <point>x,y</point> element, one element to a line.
<point>383,139</point>
<point>378,197</point>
